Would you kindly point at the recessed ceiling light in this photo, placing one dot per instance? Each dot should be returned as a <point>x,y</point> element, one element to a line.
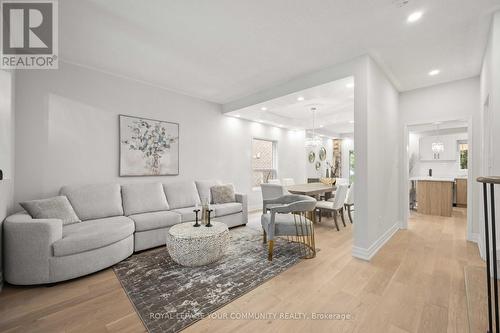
<point>237,115</point>
<point>263,108</point>
<point>414,17</point>
<point>260,120</point>
<point>320,125</point>
<point>300,98</point>
<point>434,72</point>
<point>350,85</point>
<point>351,121</point>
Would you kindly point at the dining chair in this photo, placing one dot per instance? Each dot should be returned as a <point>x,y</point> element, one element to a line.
<point>342,181</point>
<point>274,181</point>
<point>270,191</point>
<point>288,181</point>
<point>349,202</point>
<point>336,206</point>
<point>287,217</point>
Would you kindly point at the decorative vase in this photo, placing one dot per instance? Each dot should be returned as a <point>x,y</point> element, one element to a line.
<point>204,212</point>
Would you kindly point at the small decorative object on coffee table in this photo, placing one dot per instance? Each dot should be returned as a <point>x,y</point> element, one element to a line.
<point>196,211</point>
<point>209,212</point>
<point>191,247</point>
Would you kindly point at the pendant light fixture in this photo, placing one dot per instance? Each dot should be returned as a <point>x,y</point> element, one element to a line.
<point>437,145</point>
<point>313,140</point>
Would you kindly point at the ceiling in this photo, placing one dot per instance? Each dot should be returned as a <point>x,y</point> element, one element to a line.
<point>440,127</point>
<point>333,103</point>
<point>223,50</point>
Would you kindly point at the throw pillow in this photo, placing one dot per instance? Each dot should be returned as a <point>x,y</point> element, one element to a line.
<point>52,208</point>
<point>222,194</point>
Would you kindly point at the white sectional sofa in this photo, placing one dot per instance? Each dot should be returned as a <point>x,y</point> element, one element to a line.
<point>116,220</point>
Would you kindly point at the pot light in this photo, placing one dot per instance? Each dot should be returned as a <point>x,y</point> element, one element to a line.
<point>321,126</point>
<point>237,115</point>
<point>300,98</point>
<point>350,85</point>
<point>414,17</point>
<point>434,72</point>
<point>263,108</point>
<point>351,121</point>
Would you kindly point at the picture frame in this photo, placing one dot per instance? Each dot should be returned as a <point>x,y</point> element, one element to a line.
<point>148,147</point>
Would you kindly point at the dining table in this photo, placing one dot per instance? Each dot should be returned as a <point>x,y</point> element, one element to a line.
<point>313,190</point>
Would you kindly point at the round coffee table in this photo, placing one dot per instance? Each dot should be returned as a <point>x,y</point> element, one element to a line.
<point>190,246</point>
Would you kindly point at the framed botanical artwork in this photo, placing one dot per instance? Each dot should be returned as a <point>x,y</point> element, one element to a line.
<point>148,147</point>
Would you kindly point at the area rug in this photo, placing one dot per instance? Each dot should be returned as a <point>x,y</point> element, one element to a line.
<point>169,297</point>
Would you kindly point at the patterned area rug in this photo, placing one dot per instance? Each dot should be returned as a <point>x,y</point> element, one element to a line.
<point>169,297</point>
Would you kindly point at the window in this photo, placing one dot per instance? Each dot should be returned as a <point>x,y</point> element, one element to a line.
<point>351,166</point>
<point>464,155</point>
<point>263,161</point>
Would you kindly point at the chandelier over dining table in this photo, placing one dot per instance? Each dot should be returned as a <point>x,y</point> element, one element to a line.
<point>313,140</point>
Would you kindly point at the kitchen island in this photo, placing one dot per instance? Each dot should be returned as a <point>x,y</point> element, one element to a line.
<point>434,195</point>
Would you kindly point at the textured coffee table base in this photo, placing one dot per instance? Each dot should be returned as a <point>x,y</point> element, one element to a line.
<point>190,246</point>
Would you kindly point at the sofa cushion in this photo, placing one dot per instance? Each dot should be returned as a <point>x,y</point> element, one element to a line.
<point>187,214</point>
<point>223,194</point>
<point>95,201</point>
<point>227,208</point>
<point>92,234</point>
<point>155,220</point>
<point>203,187</point>
<point>143,197</point>
<point>52,208</point>
<point>182,194</point>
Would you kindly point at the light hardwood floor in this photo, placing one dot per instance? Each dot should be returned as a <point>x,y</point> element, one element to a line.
<point>414,284</point>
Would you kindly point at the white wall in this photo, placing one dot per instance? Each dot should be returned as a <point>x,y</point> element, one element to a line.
<point>439,168</point>
<point>67,133</point>
<point>489,121</point>
<point>457,100</point>
<point>379,174</point>
<point>6,150</point>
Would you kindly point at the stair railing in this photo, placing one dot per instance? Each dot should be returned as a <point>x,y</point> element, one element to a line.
<point>491,181</point>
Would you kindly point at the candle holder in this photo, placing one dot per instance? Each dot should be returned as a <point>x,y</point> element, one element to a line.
<point>196,211</point>
<point>208,215</point>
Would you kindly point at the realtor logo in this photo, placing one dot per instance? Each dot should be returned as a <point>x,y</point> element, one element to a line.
<point>29,35</point>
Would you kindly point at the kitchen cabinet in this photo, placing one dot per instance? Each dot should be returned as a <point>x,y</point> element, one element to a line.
<point>435,197</point>
<point>461,192</point>
<point>448,154</point>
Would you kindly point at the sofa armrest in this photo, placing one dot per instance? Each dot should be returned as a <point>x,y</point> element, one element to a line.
<point>243,199</point>
<point>28,247</point>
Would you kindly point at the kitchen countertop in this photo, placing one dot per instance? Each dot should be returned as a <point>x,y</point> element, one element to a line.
<point>435,179</point>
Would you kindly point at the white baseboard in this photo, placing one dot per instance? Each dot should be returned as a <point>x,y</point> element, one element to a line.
<point>474,237</point>
<point>368,253</point>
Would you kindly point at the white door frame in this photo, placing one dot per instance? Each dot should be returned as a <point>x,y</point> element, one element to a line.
<point>405,177</point>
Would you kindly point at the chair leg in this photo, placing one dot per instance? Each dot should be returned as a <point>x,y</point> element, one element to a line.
<point>264,236</point>
<point>270,254</point>
<point>349,212</point>
<point>341,211</point>
<point>335,219</point>
<point>319,213</point>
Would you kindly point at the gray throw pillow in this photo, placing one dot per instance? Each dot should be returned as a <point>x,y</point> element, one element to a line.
<point>52,208</point>
<point>223,194</point>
